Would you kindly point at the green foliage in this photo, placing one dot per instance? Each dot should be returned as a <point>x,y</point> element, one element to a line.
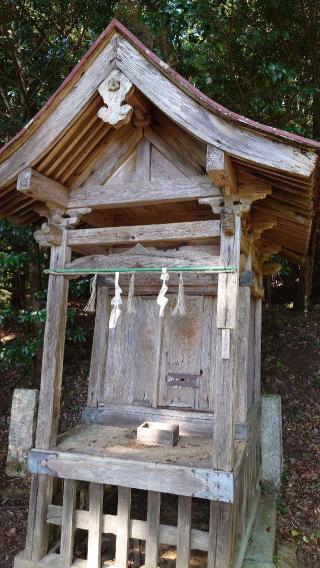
<point>17,353</point>
<point>257,57</point>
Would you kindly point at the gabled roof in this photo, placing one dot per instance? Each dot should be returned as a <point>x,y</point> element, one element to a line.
<point>67,124</point>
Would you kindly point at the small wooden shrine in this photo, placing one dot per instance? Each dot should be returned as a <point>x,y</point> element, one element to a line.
<point>138,173</point>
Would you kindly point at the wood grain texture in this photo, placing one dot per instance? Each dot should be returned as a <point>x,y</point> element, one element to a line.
<point>95,525</point>
<point>228,284</point>
<point>53,349</point>
<point>39,187</point>
<point>220,535</point>
<point>49,399</point>
<point>141,192</point>
<point>99,347</point>
<point>148,257</point>
<point>137,528</point>
<point>181,353</point>
<point>203,124</point>
<point>162,233</point>
<point>179,480</point>
<point>68,522</point>
<point>190,423</point>
<point>133,356</point>
<point>184,532</point>
<point>166,161</point>
<point>225,369</point>
<point>257,350</point>
<point>152,529</point>
<point>120,146</point>
<point>243,354</point>
<point>221,170</point>
<point>143,161</point>
<point>37,529</point>
<point>123,531</point>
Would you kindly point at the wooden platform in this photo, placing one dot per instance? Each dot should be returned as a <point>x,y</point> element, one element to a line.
<point>111,455</point>
<point>120,442</point>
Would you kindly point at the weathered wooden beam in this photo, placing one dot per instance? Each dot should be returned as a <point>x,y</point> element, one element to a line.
<point>179,480</point>
<point>146,257</point>
<point>170,232</point>
<point>143,192</point>
<point>220,169</point>
<point>190,423</point>
<point>200,122</point>
<point>42,188</point>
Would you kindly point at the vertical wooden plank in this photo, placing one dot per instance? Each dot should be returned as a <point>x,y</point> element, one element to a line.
<point>131,374</point>
<point>203,393</point>
<point>250,366</point>
<point>181,351</point>
<point>225,369</point>
<point>95,524</point>
<point>143,160</point>
<point>152,529</point>
<point>257,349</point>
<point>243,354</point>
<point>49,399</point>
<point>220,535</point>
<point>123,521</point>
<point>184,532</point>
<point>68,523</point>
<point>99,346</point>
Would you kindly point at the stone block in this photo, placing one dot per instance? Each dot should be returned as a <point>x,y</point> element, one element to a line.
<point>22,430</point>
<point>271,444</point>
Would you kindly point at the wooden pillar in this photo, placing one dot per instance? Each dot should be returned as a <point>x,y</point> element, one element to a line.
<point>220,535</point>
<point>257,349</point>
<point>68,523</point>
<point>226,352</point>
<point>49,399</point>
<point>243,350</point>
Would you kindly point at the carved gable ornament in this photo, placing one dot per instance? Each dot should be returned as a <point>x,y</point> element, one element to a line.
<point>114,90</point>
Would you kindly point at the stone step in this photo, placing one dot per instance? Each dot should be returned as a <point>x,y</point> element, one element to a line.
<point>261,546</point>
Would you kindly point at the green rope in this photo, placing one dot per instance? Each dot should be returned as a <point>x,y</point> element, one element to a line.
<point>66,271</point>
